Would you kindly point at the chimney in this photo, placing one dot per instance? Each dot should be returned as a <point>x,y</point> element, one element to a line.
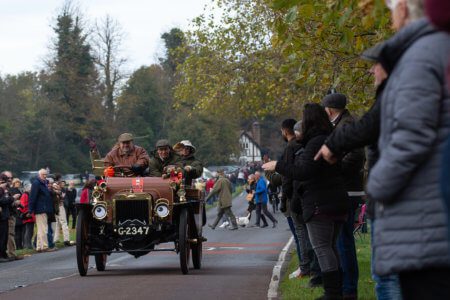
<point>256,132</point>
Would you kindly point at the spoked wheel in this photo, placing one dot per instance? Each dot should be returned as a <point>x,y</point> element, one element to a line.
<point>183,243</point>
<point>100,261</point>
<point>82,242</point>
<point>197,251</point>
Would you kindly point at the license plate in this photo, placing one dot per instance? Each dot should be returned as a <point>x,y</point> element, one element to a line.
<point>133,230</point>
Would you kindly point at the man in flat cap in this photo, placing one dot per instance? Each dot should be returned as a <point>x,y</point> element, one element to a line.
<point>162,157</point>
<point>192,166</point>
<point>352,173</point>
<point>125,153</point>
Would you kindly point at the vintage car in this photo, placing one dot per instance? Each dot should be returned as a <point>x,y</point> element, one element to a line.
<point>135,214</point>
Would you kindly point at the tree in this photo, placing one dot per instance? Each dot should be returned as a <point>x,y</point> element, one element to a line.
<point>215,137</point>
<point>321,42</point>
<point>142,104</point>
<point>231,64</point>
<point>269,57</point>
<point>107,41</point>
<point>22,126</point>
<point>72,87</point>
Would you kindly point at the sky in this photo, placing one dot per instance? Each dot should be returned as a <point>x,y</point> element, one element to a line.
<point>26,28</point>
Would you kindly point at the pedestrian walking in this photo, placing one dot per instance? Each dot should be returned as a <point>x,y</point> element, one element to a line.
<point>222,188</point>
<point>261,199</point>
<point>251,186</point>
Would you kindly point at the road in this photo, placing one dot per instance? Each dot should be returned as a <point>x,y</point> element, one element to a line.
<point>236,265</point>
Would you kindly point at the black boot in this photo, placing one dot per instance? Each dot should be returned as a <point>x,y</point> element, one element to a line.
<point>332,285</point>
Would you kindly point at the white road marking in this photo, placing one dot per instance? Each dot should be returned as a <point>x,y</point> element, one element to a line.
<point>272,293</point>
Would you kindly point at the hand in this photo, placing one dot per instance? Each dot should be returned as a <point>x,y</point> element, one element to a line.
<point>269,166</point>
<point>170,169</point>
<point>136,168</point>
<point>187,168</point>
<point>16,197</point>
<point>326,154</point>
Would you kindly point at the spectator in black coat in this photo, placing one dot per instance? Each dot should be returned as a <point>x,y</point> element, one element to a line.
<point>360,133</point>
<point>352,165</point>
<point>6,201</point>
<point>323,200</point>
<point>69,203</point>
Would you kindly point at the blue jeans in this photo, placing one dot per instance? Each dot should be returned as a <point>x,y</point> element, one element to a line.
<point>294,233</point>
<point>386,287</point>
<point>347,251</point>
<point>51,244</point>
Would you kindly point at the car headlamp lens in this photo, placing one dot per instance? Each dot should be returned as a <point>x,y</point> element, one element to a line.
<point>100,211</point>
<point>162,210</point>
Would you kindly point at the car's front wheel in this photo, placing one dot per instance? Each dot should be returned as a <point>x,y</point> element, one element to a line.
<point>100,261</point>
<point>183,242</point>
<point>82,242</point>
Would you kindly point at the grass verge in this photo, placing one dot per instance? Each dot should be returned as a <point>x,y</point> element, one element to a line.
<point>298,288</point>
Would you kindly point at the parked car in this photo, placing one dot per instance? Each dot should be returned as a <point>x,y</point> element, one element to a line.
<point>76,178</point>
<point>27,177</point>
<point>227,169</point>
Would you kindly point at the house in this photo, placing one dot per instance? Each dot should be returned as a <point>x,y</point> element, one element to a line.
<point>250,145</point>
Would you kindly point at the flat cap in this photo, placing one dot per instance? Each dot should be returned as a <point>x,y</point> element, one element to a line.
<point>125,137</point>
<point>335,100</point>
<point>374,53</point>
<point>162,143</point>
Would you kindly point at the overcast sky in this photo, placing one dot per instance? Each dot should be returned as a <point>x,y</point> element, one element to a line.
<point>26,27</point>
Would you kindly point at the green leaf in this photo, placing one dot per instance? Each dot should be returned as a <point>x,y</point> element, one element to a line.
<point>291,15</point>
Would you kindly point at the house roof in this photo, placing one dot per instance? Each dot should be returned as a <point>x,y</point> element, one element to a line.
<point>250,137</point>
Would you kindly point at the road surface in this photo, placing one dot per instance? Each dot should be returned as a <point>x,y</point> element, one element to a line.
<point>236,265</point>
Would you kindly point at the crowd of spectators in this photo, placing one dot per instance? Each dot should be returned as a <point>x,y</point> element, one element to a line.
<point>42,204</point>
<point>406,132</point>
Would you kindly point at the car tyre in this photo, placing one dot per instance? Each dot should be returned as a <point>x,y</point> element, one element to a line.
<point>183,243</point>
<point>100,261</point>
<point>82,242</point>
<point>197,252</point>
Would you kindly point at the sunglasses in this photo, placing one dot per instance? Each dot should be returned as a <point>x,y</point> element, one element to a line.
<point>392,4</point>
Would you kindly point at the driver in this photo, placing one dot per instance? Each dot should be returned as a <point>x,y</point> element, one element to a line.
<point>162,157</point>
<point>125,153</point>
<point>192,166</point>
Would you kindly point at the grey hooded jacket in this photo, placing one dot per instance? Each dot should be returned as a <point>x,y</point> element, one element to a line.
<point>411,225</point>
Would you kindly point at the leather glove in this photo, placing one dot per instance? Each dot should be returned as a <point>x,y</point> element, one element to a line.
<point>136,168</point>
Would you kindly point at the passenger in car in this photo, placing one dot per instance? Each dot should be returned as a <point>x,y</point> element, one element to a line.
<point>162,158</point>
<point>192,166</point>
